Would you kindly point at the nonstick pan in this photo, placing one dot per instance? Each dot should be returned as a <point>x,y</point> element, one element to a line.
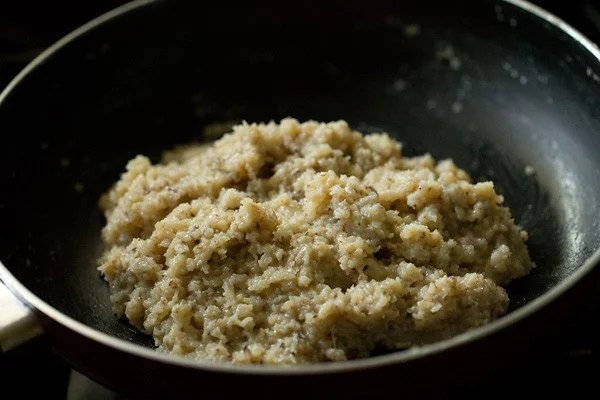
<point>508,91</point>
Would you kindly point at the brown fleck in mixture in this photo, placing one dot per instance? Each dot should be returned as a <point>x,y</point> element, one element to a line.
<point>293,243</point>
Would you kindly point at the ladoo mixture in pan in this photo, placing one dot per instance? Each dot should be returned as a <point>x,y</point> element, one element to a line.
<point>305,242</point>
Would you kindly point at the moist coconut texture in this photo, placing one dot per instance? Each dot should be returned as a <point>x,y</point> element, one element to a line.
<point>305,242</point>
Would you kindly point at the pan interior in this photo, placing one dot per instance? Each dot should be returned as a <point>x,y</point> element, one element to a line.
<point>486,84</point>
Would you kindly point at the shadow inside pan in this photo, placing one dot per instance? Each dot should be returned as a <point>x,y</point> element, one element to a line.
<point>498,97</point>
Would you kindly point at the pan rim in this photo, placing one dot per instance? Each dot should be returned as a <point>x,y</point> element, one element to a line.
<point>489,329</point>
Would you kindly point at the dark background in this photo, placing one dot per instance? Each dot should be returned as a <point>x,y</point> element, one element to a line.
<point>570,362</point>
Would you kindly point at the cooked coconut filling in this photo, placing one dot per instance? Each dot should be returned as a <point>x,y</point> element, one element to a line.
<point>305,242</point>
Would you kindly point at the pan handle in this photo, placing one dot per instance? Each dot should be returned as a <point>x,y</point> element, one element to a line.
<point>18,322</point>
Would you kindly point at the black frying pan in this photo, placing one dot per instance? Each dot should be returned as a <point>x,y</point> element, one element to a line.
<point>499,86</point>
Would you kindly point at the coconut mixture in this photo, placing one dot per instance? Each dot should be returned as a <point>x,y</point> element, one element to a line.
<point>305,242</point>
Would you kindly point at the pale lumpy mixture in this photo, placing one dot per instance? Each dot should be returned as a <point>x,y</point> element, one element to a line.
<point>305,242</point>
